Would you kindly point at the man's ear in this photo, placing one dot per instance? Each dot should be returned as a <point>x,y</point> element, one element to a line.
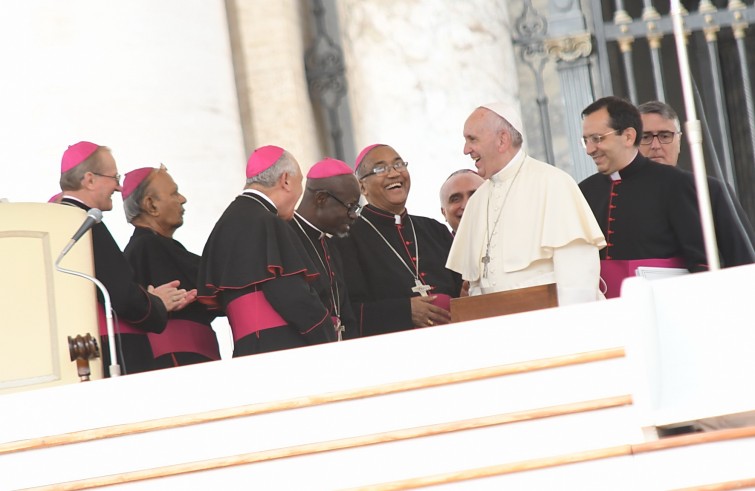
<point>148,205</point>
<point>285,181</point>
<point>504,140</point>
<point>320,199</point>
<point>87,182</point>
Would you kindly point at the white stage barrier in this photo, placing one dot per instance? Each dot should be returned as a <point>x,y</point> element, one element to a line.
<point>541,400</point>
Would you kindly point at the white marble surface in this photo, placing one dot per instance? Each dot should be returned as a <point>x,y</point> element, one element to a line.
<point>416,70</point>
<point>151,80</point>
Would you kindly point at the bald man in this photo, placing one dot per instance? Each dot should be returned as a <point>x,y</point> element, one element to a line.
<point>455,193</point>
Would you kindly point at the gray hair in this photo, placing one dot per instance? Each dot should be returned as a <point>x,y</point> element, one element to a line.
<point>71,179</point>
<point>269,177</point>
<point>132,206</point>
<point>516,136</point>
<point>661,109</point>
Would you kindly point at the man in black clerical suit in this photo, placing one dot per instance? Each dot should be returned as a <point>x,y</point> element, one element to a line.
<point>454,194</point>
<point>155,208</point>
<point>394,263</point>
<point>255,268</point>
<point>329,206</point>
<point>661,141</point>
<point>88,179</point>
<point>646,210</point>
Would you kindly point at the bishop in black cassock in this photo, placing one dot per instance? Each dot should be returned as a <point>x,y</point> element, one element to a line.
<point>391,257</point>
<point>255,269</point>
<point>155,207</point>
<point>328,208</point>
<point>88,179</point>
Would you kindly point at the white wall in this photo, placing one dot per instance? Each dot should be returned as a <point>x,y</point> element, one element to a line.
<point>152,80</point>
<point>416,70</point>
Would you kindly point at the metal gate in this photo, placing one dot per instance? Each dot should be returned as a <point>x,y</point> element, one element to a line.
<point>636,56</point>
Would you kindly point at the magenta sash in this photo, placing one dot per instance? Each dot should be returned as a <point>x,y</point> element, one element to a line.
<point>252,313</point>
<point>613,271</point>
<point>120,327</point>
<point>185,336</point>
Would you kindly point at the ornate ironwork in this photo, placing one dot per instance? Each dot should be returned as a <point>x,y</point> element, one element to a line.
<point>531,29</point>
<point>326,76</point>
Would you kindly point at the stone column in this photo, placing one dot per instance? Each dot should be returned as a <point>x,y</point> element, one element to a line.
<point>570,45</point>
<point>416,69</point>
<point>267,40</point>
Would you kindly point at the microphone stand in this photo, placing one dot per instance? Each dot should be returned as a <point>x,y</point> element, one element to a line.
<point>115,368</point>
<point>694,136</point>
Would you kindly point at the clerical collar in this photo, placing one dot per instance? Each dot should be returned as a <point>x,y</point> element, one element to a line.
<point>249,192</point>
<point>510,170</point>
<point>71,198</point>
<point>386,215</point>
<point>320,232</point>
<point>71,201</point>
<point>628,169</point>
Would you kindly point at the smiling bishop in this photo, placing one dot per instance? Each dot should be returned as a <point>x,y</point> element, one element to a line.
<point>394,262</point>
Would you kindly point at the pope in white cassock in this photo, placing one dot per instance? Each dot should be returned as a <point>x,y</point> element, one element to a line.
<point>528,224</point>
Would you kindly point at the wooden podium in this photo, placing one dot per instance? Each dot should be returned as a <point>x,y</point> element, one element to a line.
<point>41,306</point>
<point>503,303</point>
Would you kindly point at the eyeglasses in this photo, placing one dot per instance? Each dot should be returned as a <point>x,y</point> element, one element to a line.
<point>379,170</point>
<point>665,137</point>
<point>117,177</point>
<point>596,139</point>
<point>355,208</point>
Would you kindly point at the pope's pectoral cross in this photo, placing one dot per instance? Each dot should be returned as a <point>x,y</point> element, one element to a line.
<point>485,261</point>
<point>420,288</point>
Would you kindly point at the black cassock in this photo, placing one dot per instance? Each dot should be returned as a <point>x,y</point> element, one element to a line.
<point>136,310</point>
<point>330,285</point>
<point>732,241</point>
<point>653,213</point>
<point>255,269</point>
<point>157,260</point>
<point>379,283</point>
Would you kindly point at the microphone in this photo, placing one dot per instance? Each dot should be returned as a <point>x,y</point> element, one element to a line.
<point>94,216</point>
